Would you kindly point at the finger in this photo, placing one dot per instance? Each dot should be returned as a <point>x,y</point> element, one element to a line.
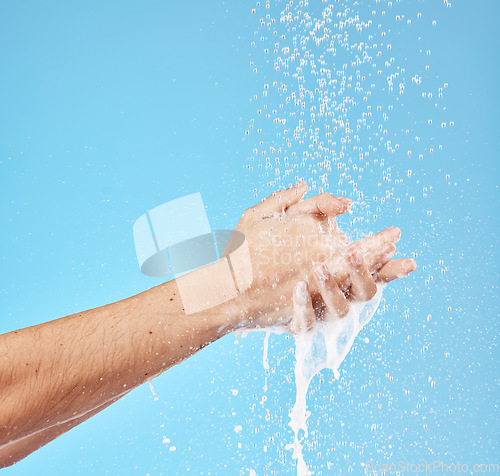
<point>303,311</point>
<point>324,205</point>
<point>335,301</point>
<point>382,256</point>
<point>389,235</point>
<point>279,201</point>
<point>363,285</point>
<point>398,268</point>
<point>371,245</point>
<point>374,261</point>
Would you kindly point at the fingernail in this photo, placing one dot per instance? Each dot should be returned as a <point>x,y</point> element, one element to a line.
<point>301,292</point>
<point>299,184</point>
<point>395,233</point>
<point>409,265</point>
<point>354,257</point>
<point>321,272</point>
<point>387,249</point>
<point>347,204</point>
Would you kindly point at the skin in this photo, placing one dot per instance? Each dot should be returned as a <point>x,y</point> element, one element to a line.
<point>332,300</point>
<point>56,375</point>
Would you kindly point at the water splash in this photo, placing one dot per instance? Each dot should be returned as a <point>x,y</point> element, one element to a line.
<point>265,359</point>
<point>324,347</point>
<point>155,398</point>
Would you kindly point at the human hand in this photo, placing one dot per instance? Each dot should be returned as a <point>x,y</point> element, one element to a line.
<point>285,238</point>
<point>335,293</point>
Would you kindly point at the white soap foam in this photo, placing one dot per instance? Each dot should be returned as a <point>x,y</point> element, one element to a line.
<point>324,347</point>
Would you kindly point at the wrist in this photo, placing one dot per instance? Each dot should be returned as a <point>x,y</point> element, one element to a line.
<point>214,293</point>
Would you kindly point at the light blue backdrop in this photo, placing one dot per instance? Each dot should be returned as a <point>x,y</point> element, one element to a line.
<point>108,109</point>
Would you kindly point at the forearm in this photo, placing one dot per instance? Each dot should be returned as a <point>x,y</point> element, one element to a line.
<point>61,370</point>
<point>19,449</point>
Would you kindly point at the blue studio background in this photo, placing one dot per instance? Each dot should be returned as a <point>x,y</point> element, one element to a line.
<point>108,109</point>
